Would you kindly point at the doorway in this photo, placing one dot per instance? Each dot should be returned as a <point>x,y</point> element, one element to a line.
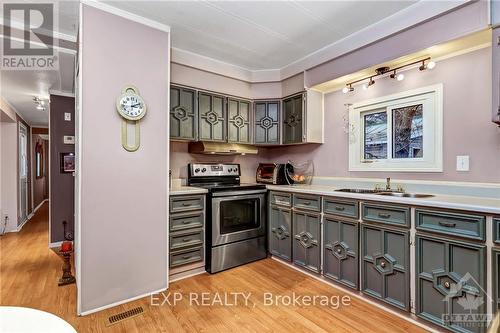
<point>23,174</point>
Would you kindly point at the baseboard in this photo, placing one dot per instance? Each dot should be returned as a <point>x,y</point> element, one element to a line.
<point>187,274</point>
<point>40,205</point>
<point>360,297</point>
<point>112,305</point>
<point>55,245</point>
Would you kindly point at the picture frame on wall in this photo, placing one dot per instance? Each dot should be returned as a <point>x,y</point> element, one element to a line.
<point>67,162</point>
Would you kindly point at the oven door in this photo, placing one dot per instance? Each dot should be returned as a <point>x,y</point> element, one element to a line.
<point>238,216</point>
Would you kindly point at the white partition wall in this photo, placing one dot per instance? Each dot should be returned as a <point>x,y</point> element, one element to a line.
<point>122,197</point>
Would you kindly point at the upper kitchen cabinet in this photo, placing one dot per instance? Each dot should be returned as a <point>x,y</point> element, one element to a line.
<point>496,75</point>
<point>183,118</point>
<point>238,121</point>
<point>211,117</point>
<point>267,120</point>
<point>303,118</point>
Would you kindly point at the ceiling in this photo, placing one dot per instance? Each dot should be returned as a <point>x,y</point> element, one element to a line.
<point>261,35</point>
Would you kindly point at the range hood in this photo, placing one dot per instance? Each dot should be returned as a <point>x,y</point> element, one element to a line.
<point>220,148</point>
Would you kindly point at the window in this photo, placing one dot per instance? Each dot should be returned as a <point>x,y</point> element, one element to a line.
<point>401,132</point>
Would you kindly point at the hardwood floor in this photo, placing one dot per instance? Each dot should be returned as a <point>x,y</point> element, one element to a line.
<point>29,273</point>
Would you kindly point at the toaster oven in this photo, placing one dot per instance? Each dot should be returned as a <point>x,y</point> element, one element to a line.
<point>274,173</point>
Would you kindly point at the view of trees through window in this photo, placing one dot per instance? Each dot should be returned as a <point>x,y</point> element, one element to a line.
<point>406,132</point>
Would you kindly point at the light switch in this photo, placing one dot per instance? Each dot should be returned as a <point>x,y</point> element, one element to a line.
<point>463,163</point>
<point>67,116</point>
<point>69,140</point>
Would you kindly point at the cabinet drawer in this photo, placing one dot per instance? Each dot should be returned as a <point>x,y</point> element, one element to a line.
<point>496,230</point>
<point>184,239</point>
<point>393,215</point>
<point>340,207</point>
<point>462,225</point>
<point>187,256</point>
<point>183,221</point>
<point>186,202</point>
<point>308,202</point>
<point>280,198</point>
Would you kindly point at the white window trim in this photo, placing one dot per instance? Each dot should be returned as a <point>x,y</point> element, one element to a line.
<point>432,160</point>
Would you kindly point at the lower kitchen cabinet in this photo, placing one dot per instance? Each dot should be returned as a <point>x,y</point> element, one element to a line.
<point>496,279</point>
<point>385,265</point>
<point>280,232</point>
<point>307,240</point>
<point>450,283</point>
<point>340,256</point>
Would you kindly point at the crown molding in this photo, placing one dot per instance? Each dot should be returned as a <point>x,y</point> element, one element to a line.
<point>127,15</point>
<point>404,19</point>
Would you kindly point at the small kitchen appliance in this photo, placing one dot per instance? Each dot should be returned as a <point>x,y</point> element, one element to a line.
<point>274,173</point>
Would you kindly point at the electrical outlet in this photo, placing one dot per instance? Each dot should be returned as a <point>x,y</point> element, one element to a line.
<point>67,116</point>
<point>463,163</point>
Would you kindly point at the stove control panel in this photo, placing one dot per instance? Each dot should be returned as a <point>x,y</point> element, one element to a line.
<point>210,170</point>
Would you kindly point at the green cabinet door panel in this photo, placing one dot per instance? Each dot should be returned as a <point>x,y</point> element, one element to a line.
<point>385,265</point>
<point>293,119</point>
<point>450,283</point>
<point>496,279</point>
<point>183,118</point>
<point>340,256</point>
<point>280,232</point>
<point>211,117</point>
<point>238,121</point>
<point>267,121</point>
<point>307,240</point>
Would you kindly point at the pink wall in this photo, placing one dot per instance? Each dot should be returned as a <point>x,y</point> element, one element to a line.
<point>468,129</point>
<point>124,195</point>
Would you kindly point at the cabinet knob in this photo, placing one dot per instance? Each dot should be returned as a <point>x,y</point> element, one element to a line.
<point>447,285</point>
<point>339,250</point>
<point>382,264</point>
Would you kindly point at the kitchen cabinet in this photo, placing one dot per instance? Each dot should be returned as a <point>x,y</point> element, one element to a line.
<point>303,118</point>
<point>496,279</point>
<point>211,117</point>
<point>385,265</point>
<point>267,121</point>
<point>239,129</point>
<point>450,282</point>
<point>183,114</point>
<point>340,251</point>
<point>187,233</point>
<point>293,113</point>
<point>496,72</point>
<point>280,232</point>
<point>307,240</point>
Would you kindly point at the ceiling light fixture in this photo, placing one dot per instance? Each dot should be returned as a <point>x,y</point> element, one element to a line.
<point>384,70</point>
<point>40,104</point>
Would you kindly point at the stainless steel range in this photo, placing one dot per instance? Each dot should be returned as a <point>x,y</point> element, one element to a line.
<point>236,215</point>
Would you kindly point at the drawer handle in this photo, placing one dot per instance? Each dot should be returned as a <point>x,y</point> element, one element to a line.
<point>186,204</point>
<point>186,257</point>
<point>339,208</point>
<point>307,203</point>
<point>384,215</point>
<point>447,224</point>
<point>186,222</point>
<point>186,239</point>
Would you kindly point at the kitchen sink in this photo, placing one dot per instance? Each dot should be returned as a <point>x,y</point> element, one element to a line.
<point>405,195</point>
<point>358,190</point>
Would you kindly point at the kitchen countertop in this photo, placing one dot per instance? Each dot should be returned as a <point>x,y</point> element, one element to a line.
<point>181,190</point>
<point>476,204</point>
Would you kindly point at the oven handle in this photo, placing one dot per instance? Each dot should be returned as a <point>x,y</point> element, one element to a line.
<point>233,193</point>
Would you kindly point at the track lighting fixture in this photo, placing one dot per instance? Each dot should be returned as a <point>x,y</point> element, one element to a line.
<point>393,75</point>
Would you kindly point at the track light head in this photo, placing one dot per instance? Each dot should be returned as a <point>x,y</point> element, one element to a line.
<point>400,77</point>
<point>347,88</point>
<point>431,64</point>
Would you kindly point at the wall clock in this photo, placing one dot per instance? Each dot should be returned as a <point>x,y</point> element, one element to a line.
<point>132,108</point>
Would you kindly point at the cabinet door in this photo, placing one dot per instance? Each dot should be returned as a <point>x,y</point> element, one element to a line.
<point>211,117</point>
<point>496,73</point>
<point>450,283</point>
<point>280,232</point>
<point>183,118</point>
<point>385,265</point>
<point>496,279</point>
<point>307,241</point>
<point>293,119</point>
<point>267,118</point>
<point>238,121</point>
<point>340,256</point>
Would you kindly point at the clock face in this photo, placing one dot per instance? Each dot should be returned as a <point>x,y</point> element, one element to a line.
<point>131,106</point>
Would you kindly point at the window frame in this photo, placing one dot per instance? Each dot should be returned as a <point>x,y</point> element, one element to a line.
<point>431,98</point>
